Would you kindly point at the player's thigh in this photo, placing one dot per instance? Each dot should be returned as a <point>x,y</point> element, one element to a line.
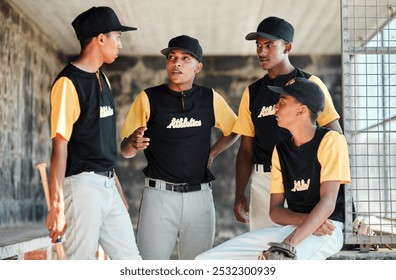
<point>116,234</point>
<point>247,246</point>
<point>260,201</point>
<point>321,247</point>
<point>159,218</point>
<point>198,224</point>
<point>85,196</point>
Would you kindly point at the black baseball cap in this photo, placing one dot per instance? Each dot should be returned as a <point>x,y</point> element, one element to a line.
<point>273,28</point>
<point>185,43</point>
<point>305,91</point>
<point>97,20</point>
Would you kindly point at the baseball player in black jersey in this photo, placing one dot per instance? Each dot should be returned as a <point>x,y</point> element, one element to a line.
<point>87,202</point>
<point>307,170</point>
<point>256,120</point>
<point>172,123</point>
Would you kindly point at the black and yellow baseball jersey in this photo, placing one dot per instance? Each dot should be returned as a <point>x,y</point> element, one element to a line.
<point>298,171</point>
<point>82,111</point>
<point>256,116</point>
<point>179,127</point>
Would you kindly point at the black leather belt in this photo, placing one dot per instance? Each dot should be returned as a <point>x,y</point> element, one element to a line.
<point>108,174</point>
<point>265,167</point>
<point>178,187</point>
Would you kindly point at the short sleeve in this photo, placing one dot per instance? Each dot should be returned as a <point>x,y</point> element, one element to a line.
<point>244,124</point>
<point>137,116</point>
<point>334,158</point>
<point>65,108</point>
<point>276,174</point>
<point>224,116</point>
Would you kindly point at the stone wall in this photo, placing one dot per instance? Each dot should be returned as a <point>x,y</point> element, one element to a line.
<point>28,64</point>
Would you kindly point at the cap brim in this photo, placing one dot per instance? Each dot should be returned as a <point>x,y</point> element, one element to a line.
<point>127,28</point>
<point>254,35</point>
<point>279,90</point>
<point>166,51</point>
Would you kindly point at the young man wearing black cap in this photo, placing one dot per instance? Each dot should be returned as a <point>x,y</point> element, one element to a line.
<point>307,170</point>
<point>256,120</point>
<point>87,203</point>
<point>172,123</point>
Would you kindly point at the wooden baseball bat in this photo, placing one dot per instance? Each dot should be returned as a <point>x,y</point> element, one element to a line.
<point>42,167</point>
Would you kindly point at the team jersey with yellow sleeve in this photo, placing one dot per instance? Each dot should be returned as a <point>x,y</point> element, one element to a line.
<point>82,112</point>
<point>299,171</point>
<point>179,127</point>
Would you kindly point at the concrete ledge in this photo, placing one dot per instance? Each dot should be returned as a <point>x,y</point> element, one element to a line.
<point>20,239</point>
<point>31,241</point>
<point>381,254</point>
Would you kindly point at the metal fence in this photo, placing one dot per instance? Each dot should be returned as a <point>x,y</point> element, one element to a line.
<point>369,86</point>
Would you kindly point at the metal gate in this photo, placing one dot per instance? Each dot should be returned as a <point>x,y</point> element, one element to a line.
<point>369,87</point>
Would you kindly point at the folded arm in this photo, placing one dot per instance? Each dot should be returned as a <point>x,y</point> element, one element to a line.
<point>316,222</point>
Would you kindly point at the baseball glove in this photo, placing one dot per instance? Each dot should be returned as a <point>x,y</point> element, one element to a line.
<point>360,228</point>
<point>278,251</point>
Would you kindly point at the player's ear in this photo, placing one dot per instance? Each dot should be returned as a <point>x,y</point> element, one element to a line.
<point>100,38</point>
<point>302,110</point>
<point>288,47</point>
<point>198,68</point>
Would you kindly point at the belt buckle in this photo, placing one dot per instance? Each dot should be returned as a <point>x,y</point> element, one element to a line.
<point>110,173</point>
<point>180,188</point>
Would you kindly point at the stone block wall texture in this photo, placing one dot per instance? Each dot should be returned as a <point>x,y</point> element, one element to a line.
<point>28,65</point>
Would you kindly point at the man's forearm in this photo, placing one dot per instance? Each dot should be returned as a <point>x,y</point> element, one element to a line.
<point>312,222</point>
<point>284,216</point>
<point>243,171</point>
<point>57,172</point>
<point>222,144</point>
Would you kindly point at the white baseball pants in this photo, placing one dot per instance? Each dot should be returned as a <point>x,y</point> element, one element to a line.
<point>167,217</point>
<point>248,246</point>
<point>260,199</point>
<point>95,214</point>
